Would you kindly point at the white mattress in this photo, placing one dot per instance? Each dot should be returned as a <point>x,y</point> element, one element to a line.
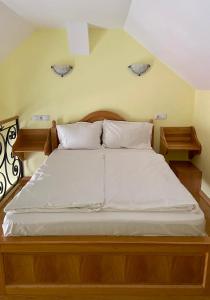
<point>106,223</point>
<point>104,192</point>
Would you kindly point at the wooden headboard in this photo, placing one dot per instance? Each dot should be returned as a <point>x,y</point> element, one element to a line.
<point>92,117</point>
<point>101,115</point>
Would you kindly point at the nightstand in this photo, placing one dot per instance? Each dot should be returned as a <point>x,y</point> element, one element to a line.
<point>179,139</point>
<point>189,175</point>
<point>183,139</point>
<point>32,140</point>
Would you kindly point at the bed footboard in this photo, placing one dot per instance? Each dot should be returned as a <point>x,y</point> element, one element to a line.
<point>105,266</point>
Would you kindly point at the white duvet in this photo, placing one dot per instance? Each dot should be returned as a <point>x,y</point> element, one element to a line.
<point>141,180</point>
<point>67,180</point>
<point>106,179</point>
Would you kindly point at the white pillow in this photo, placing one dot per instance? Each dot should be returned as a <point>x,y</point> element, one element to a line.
<point>133,135</point>
<point>80,135</point>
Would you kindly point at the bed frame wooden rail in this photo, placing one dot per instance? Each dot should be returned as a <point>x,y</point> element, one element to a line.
<point>108,266</point>
<point>105,266</point>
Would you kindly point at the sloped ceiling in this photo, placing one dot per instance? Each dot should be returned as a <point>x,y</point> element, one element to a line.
<point>177,32</point>
<point>56,13</point>
<point>74,16</point>
<point>13,30</point>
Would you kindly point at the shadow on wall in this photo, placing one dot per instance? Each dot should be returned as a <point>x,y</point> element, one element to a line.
<point>95,36</point>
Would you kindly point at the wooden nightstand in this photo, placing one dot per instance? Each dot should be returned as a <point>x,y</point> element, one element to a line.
<point>32,140</point>
<point>189,175</point>
<point>183,139</point>
<point>179,139</point>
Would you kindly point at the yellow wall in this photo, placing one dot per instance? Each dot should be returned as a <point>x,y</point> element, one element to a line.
<point>201,120</point>
<point>99,81</point>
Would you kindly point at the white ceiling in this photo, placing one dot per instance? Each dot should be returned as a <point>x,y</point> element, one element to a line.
<point>13,30</point>
<point>53,13</point>
<point>177,32</point>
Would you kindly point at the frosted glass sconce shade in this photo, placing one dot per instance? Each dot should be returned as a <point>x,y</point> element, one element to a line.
<point>139,69</point>
<point>62,70</point>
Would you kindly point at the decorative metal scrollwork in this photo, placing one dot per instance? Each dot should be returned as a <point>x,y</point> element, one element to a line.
<point>11,168</point>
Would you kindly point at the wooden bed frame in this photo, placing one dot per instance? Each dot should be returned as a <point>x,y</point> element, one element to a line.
<point>104,265</point>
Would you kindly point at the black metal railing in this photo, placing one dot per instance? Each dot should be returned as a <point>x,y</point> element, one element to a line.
<point>11,167</point>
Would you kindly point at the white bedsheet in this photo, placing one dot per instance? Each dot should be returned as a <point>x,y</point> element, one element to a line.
<point>106,179</point>
<point>106,223</point>
<point>141,180</point>
<point>124,191</point>
<point>67,180</point>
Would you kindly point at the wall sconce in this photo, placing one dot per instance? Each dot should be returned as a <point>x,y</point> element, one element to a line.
<point>62,70</point>
<point>139,69</point>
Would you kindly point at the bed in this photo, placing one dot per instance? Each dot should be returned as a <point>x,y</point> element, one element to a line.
<point>104,246</point>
